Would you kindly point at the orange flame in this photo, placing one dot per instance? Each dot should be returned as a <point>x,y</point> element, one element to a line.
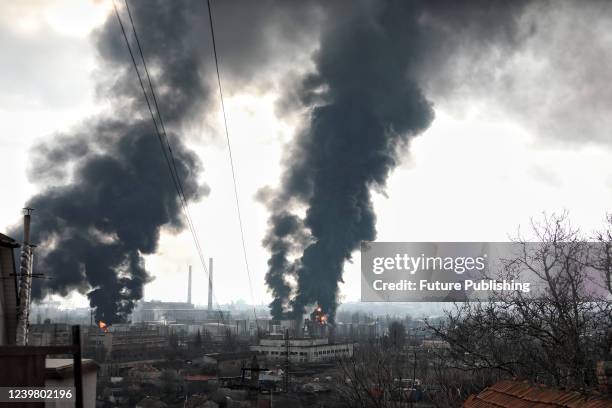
<point>102,325</point>
<point>319,316</point>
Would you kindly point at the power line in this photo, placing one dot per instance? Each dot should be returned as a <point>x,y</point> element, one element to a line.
<point>173,168</point>
<point>169,158</point>
<point>231,160</point>
<point>162,136</point>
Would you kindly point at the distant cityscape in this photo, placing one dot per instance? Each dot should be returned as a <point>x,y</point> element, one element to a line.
<point>192,349</point>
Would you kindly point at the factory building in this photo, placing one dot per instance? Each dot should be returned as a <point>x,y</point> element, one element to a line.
<point>48,334</point>
<point>302,349</point>
<point>361,331</point>
<point>8,290</point>
<point>180,312</point>
<point>126,343</point>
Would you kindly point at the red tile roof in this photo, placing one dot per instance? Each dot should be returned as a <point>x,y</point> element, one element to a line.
<point>517,394</point>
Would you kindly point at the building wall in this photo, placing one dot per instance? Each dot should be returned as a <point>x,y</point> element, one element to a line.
<point>97,344</point>
<point>59,373</point>
<point>3,312</point>
<point>126,344</point>
<point>89,390</point>
<point>303,350</point>
<point>49,334</point>
<point>8,293</point>
<point>306,342</point>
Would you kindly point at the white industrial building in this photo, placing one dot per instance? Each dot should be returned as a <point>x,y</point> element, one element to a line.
<point>302,349</point>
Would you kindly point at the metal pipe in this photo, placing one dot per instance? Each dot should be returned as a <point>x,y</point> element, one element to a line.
<point>25,282</point>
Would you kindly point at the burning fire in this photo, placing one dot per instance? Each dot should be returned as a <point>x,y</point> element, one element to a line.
<point>102,325</point>
<point>318,316</point>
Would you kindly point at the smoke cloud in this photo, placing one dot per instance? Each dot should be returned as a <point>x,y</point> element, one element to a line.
<point>109,190</point>
<point>366,102</point>
<point>106,191</point>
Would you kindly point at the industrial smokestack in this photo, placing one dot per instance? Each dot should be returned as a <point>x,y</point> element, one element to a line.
<point>25,283</point>
<point>210,281</point>
<point>189,287</point>
<point>27,219</point>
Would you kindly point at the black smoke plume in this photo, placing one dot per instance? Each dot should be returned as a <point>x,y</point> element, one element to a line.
<point>285,229</point>
<point>109,190</point>
<point>106,189</point>
<point>366,102</point>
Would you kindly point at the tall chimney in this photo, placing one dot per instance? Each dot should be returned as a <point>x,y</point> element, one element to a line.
<point>189,287</point>
<point>27,218</point>
<point>210,281</point>
<point>144,265</point>
<point>25,283</point>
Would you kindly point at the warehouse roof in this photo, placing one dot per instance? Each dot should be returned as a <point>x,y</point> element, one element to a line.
<point>511,393</point>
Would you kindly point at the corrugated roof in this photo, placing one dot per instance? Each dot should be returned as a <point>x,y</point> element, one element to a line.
<point>517,394</point>
<point>8,242</point>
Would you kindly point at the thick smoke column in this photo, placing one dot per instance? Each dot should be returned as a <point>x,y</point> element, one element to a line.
<point>111,189</point>
<point>366,104</point>
<point>284,228</point>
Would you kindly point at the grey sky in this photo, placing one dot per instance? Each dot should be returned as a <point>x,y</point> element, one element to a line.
<point>519,129</point>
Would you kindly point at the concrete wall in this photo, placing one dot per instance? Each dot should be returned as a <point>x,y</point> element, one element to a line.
<point>310,353</point>
<point>89,390</point>
<point>294,342</point>
<point>8,293</point>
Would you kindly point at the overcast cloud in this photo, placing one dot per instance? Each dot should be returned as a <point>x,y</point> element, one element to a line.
<point>521,123</point>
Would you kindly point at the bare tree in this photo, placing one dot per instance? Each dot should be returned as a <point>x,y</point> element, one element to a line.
<point>371,378</point>
<point>554,336</point>
<point>603,263</point>
<point>603,259</point>
<point>448,386</point>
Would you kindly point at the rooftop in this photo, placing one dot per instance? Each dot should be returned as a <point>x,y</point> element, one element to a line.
<point>8,242</point>
<point>239,355</point>
<point>62,367</point>
<point>511,393</point>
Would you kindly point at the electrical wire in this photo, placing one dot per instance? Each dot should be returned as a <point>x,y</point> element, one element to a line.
<point>168,154</point>
<point>173,169</point>
<point>231,160</point>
